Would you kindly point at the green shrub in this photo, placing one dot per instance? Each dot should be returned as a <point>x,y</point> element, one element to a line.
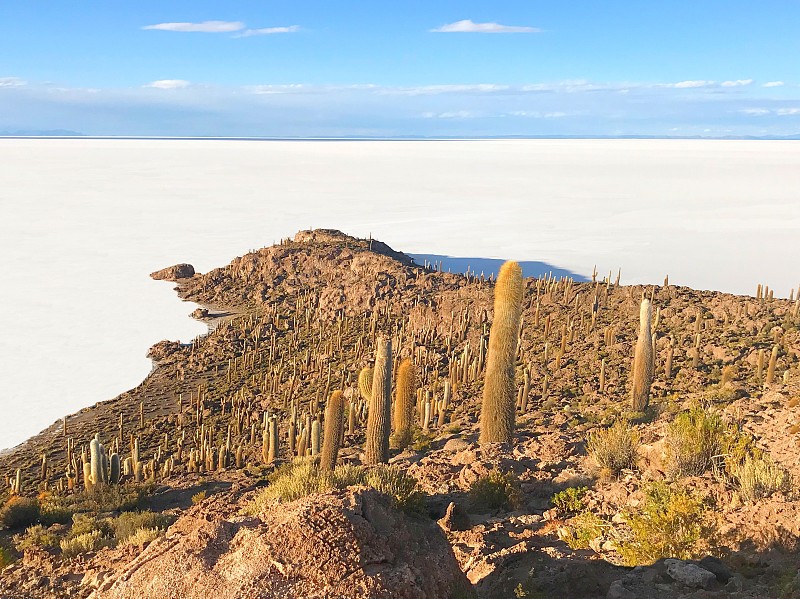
<point>303,477</point>
<point>142,537</point>
<point>569,500</point>
<point>759,477</point>
<point>86,523</point>
<point>581,530</point>
<point>692,440</point>
<point>129,523</point>
<point>670,523</point>
<point>199,497</point>
<point>496,490</point>
<point>614,448</point>
<point>106,498</point>
<point>36,537</point>
<point>19,512</point>
<point>399,486</point>
<point>83,543</point>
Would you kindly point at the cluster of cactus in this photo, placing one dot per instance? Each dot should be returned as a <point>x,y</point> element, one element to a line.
<point>292,356</point>
<point>101,468</point>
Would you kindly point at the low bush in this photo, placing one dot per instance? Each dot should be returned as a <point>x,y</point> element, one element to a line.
<point>759,477</point>
<point>19,512</point>
<point>83,543</point>
<point>581,530</point>
<point>130,523</point>
<point>692,440</point>
<point>497,490</point>
<point>199,497</point>
<point>37,537</point>
<point>569,501</point>
<point>615,448</point>
<point>142,537</point>
<point>670,523</point>
<point>303,477</point>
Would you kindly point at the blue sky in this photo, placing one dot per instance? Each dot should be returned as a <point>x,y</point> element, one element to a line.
<point>313,68</point>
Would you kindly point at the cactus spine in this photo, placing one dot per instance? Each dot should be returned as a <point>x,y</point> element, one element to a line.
<point>499,393</point>
<point>334,419</point>
<point>380,405</point>
<point>643,361</point>
<point>405,395</point>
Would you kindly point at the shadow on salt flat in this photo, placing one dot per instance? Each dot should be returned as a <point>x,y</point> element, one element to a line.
<point>492,265</point>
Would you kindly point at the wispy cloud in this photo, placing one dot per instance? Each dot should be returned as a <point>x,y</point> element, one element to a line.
<point>452,114</point>
<point>774,84</point>
<point>268,31</point>
<point>204,27</point>
<point>737,83</point>
<point>754,111</point>
<point>791,111</point>
<point>169,84</point>
<point>12,82</point>
<point>691,84</point>
<point>468,26</point>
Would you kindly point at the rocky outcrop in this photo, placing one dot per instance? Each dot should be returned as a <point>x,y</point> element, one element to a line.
<point>173,273</point>
<point>349,544</point>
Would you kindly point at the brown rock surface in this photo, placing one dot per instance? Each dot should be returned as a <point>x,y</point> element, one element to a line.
<point>173,273</point>
<point>345,545</point>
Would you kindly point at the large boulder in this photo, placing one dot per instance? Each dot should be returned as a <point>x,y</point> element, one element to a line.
<point>173,273</point>
<point>348,544</point>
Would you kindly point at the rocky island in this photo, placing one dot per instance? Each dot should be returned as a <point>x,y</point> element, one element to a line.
<point>355,425</point>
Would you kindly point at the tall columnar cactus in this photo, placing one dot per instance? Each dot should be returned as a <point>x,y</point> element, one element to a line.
<point>96,457</point>
<point>499,392</point>
<point>643,361</point>
<point>404,399</point>
<point>773,362</point>
<point>380,405</point>
<point>334,419</point>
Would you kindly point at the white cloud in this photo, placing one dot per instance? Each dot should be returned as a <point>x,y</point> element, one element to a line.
<point>754,111</point>
<point>691,84</point>
<point>169,84</point>
<point>736,83</point>
<point>269,31</point>
<point>204,27</point>
<point>535,114</point>
<point>432,90</point>
<point>455,114</point>
<point>787,111</point>
<point>468,26</point>
<point>774,84</point>
<point>12,82</point>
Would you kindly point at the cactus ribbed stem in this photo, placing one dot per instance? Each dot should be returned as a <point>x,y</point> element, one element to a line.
<point>643,361</point>
<point>499,392</point>
<point>405,396</point>
<point>380,405</point>
<point>334,419</point>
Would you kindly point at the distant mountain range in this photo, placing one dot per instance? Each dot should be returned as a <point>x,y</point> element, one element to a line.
<point>38,133</point>
<point>68,133</point>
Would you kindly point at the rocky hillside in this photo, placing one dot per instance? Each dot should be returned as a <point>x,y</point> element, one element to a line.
<point>697,489</point>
